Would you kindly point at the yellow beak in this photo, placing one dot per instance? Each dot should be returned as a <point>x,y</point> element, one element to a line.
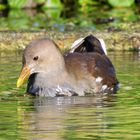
<point>25,73</point>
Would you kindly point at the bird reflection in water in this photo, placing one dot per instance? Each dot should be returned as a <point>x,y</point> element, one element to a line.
<point>61,117</point>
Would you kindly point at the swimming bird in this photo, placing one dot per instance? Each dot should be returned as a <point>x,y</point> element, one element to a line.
<point>83,70</point>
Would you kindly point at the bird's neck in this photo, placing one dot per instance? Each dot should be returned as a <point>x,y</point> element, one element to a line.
<point>55,76</point>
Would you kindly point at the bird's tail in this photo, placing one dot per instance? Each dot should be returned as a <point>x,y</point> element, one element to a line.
<point>89,44</point>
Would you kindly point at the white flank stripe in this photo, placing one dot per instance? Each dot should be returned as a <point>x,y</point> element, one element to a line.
<point>98,79</point>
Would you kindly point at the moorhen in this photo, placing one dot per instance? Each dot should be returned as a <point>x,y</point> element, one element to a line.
<point>84,70</point>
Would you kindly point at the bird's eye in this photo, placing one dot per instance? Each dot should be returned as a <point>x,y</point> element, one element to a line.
<point>35,58</point>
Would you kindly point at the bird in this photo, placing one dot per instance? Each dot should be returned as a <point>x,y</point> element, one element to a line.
<point>84,70</point>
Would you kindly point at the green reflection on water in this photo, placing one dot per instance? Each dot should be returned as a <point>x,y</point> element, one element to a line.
<point>92,16</point>
<point>105,117</point>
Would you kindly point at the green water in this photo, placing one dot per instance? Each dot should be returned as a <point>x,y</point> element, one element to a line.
<point>70,118</point>
<point>87,14</point>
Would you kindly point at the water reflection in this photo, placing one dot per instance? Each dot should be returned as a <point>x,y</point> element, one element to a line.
<point>57,118</point>
<point>84,15</point>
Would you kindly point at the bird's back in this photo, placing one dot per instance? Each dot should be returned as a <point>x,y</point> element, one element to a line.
<point>89,61</point>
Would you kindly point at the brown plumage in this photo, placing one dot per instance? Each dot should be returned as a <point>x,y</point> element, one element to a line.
<point>84,70</point>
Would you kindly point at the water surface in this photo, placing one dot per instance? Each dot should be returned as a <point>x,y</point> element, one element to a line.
<point>69,118</point>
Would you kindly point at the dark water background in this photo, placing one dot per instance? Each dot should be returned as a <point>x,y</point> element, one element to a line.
<point>69,118</point>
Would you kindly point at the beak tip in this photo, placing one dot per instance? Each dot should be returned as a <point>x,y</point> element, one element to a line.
<point>23,76</point>
<point>19,83</point>
<point>17,86</point>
